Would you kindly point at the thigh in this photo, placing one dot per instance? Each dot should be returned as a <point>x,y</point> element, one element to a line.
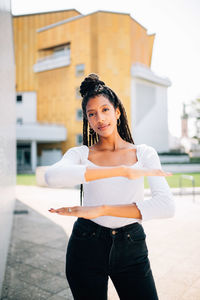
<point>130,286</point>
<point>85,266</point>
<point>132,277</point>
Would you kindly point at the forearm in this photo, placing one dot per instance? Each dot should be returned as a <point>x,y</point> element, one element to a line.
<point>104,172</point>
<point>124,211</point>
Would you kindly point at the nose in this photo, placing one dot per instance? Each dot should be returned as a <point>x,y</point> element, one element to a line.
<point>100,117</point>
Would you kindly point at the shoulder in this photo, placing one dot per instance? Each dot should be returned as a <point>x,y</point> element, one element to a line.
<point>146,150</point>
<point>149,156</point>
<point>80,151</point>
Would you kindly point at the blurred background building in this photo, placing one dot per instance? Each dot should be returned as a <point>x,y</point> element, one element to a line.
<point>54,51</point>
<point>7,132</point>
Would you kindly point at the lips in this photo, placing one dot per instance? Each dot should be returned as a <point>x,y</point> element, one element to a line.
<point>103,127</point>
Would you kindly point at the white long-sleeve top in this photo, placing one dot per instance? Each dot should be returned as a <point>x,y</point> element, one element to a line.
<point>70,171</point>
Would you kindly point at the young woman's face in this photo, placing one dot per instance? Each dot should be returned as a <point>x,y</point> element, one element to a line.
<point>102,115</point>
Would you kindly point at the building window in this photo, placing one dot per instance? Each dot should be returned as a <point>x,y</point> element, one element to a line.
<point>80,69</point>
<point>23,158</point>
<point>79,114</point>
<point>19,98</point>
<point>53,58</point>
<point>79,139</point>
<point>19,121</point>
<point>61,51</point>
<point>78,95</point>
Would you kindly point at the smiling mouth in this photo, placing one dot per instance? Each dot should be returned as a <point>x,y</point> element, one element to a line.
<point>103,127</point>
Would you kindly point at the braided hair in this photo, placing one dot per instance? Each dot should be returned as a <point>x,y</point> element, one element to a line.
<point>91,87</point>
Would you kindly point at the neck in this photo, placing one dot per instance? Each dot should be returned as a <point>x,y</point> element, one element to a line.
<point>112,142</point>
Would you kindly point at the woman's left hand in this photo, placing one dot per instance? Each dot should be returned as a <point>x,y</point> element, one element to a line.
<point>87,212</point>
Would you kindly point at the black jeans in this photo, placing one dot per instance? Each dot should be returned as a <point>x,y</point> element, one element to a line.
<point>95,252</point>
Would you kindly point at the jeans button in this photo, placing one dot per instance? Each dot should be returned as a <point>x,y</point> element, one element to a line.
<point>113,232</point>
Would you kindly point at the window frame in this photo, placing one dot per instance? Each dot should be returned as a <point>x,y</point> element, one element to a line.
<point>78,118</point>
<point>79,72</point>
<point>77,138</point>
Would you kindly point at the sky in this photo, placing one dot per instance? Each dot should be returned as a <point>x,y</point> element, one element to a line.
<point>176,52</point>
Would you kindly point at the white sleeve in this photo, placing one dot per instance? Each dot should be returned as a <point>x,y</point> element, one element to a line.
<point>161,204</point>
<point>68,171</point>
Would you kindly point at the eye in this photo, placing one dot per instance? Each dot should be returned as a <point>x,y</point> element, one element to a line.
<point>91,114</point>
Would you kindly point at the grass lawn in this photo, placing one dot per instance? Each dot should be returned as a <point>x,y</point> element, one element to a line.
<point>26,179</point>
<point>173,181</point>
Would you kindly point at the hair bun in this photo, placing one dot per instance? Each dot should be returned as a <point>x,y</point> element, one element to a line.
<point>93,76</point>
<point>90,83</point>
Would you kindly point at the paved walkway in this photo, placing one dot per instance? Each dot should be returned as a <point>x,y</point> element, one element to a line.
<point>36,259</point>
<point>35,263</point>
<point>182,168</point>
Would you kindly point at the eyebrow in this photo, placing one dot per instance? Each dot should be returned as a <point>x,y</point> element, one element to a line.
<point>100,106</point>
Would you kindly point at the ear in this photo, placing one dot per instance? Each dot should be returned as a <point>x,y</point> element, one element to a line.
<point>117,112</point>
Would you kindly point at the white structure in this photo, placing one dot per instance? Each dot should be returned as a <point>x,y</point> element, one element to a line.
<point>149,109</point>
<point>29,133</point>
<point>7,132</point>
<point>59,58</point>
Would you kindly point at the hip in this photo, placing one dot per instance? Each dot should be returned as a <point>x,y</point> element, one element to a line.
<point>118,248</point>
<point>87,230</point>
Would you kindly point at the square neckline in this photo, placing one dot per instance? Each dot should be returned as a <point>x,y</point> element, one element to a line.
<point>136,147</point>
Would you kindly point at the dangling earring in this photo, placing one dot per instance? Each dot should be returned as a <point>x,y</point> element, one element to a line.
<point>91,131</point>
<point>118,123</point>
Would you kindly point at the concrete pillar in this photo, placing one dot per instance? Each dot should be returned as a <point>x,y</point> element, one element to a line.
<point>33,155</point>
<point>7,132</point>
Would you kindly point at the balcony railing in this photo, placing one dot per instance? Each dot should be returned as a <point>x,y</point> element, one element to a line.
<point>52,62</point>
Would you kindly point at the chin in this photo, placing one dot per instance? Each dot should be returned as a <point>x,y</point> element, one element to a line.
<point>105,134</point>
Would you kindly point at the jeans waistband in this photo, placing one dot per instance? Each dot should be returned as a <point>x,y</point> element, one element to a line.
<point>86,223</point>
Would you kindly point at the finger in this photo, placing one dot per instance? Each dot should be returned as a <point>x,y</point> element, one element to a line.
<point>158,172</point>
<point>55,210</point>
<point>59,210</point>
<point>52,210</point>
<point>63,211</point>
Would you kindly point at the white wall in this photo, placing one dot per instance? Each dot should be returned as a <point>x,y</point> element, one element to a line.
<point>149,110</point>
<point>27,109</point>
<point>7,132</point>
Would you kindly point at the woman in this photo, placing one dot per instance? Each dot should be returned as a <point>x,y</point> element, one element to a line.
<point>108,239</point>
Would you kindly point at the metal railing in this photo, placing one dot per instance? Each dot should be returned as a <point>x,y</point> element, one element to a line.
<point>188,177</point>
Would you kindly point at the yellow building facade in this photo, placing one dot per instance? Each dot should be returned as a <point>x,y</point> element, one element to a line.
<point>55,51</point>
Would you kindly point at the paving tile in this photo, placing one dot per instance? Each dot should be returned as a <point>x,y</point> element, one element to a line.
<point>31,293</point>
<point>54,284</point>
<point>67,294</point>
<point>51,266</point>
<point>22,290</point>
<point>29,274</point>
<point>52,254</point>
<point>58,243</point>
<point>56,297</point>
<point>20,255</point>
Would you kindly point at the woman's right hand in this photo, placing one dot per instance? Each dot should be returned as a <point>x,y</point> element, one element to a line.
<point>137,173</point>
